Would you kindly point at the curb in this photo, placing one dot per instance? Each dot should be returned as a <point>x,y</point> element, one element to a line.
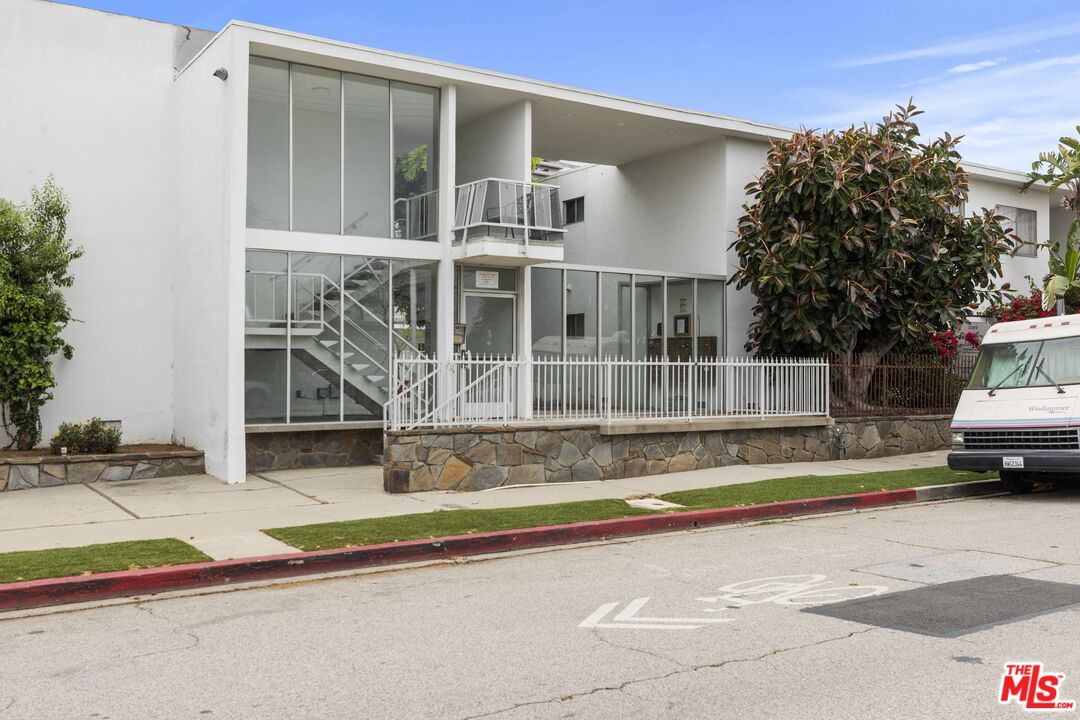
<point>126,583</point>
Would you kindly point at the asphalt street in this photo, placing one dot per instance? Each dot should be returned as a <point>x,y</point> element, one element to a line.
<point>707,624</point>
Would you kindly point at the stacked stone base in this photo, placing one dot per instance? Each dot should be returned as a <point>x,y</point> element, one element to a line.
<point>312,448</point>
<point>480,458</point>
<point>874,437</point>
<point>53,470</point>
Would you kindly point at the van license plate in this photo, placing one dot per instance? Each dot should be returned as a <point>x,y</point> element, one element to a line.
<point>1012,462</point>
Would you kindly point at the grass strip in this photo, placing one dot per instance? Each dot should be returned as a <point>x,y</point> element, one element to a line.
<point>417,526</point>
<point>815,486</point>
<point>373,531</point>
<point>90,559</point>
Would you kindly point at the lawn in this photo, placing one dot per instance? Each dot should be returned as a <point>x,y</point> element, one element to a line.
<point>417,526</point>
<point>89,559</point>
<point>810,486</point>
<point>444,523</point>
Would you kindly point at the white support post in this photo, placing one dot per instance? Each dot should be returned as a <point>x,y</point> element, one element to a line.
<point>444,326</point>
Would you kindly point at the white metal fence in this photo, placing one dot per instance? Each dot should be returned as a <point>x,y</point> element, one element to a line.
<point>489,390</point>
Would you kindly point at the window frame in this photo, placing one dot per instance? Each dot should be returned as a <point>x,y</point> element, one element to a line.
<point>574,208</point>
<point>1028,247</point>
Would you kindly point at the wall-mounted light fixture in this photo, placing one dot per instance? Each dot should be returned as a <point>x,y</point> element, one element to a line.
<point>221,74</point>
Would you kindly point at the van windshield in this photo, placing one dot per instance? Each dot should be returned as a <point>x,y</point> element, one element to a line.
<point>1012,365</point>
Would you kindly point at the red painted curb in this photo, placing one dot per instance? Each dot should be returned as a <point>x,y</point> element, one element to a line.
<point>59,591</point>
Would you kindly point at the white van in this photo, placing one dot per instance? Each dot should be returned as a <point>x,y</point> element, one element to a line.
<point>1019,413</point>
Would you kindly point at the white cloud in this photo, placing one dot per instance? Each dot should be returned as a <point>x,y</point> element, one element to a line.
<point>1016,36</point>
<point>1007,115</point>
<point>974,67</point>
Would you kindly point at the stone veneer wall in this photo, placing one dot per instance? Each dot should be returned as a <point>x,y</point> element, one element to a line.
<point>480,458</point>
<point>52,470</point>
<point>312,448</point>
<point>873,437</point>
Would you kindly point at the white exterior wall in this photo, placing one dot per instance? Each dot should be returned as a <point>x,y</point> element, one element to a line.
<point>87,96</point>
<point>745,161</point>
<point>660,213</point>
<point>984,193</point>
<point>1060,220</point>
<point>209,126</point>
<point>498,145</point>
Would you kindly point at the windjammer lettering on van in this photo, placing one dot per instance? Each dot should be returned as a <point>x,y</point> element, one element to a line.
<point>1050,409</point>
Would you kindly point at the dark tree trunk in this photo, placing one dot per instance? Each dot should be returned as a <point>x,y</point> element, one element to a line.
<point>852,377</point>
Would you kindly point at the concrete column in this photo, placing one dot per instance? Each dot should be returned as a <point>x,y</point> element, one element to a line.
<point>444,345</point>
<point>236,231</point>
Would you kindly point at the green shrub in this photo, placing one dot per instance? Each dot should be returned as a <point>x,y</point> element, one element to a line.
<point>90,438</point>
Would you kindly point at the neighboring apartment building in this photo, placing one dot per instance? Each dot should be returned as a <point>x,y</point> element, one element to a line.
<point>271,218</point>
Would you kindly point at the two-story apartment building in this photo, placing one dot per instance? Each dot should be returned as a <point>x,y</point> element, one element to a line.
<point>272,219</point>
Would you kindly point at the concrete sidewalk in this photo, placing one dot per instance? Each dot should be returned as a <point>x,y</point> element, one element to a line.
<point>224,520</point>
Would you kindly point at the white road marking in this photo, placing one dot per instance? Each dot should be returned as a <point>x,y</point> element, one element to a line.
<point>628,619</point>
<point>790,590</point>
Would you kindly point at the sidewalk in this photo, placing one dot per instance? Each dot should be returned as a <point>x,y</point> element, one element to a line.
<point>224,520</point>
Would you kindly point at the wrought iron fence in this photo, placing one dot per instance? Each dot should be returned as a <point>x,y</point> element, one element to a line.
<point>897,384</point>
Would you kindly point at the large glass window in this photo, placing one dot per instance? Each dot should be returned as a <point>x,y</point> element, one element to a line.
<point>648,320</point>
<point>268,145</point>
<point>366,305</point>
<point>547,316</point>
<point>415,119</point>
<point>337,314</point>
<point>364,153</point>
<point>367,156</point>
<point>265,364</point>
<point>710,318</point>
<point>415,294</point>
<point>315,365</point>
<point>316,97</point>
<point>616,298</point>
<point>679,327</point>
<point>580,311</point>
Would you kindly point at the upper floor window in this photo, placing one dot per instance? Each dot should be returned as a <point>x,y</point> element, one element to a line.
<point>340,153</point>
<point>574,210</point>
<point>1024,223</point>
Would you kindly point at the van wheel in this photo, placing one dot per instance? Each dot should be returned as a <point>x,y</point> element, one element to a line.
<point>1016,483</point>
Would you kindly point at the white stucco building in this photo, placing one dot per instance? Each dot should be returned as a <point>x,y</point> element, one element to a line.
<point>269,218</point>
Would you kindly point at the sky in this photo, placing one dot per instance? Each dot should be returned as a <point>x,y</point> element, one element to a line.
<point>1005,75</point>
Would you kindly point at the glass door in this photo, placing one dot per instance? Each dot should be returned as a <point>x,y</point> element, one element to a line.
<point>489,339</point>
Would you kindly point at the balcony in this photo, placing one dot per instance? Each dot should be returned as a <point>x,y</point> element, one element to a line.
<point>508,223</point>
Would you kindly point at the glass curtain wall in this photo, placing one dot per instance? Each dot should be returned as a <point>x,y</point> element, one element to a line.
<point>638,317</point>
<point>268,145</point>
<point>415,170</point>
<point>616,319</point>
<point>415,293</point>
<point>320,329</point>
<point>265,310</point>
<point>363,155</point>
<point>316,158</point>
<point>366,309</point>
<point>648,317</point>
<point>547,313</point>
<point>367,156</point>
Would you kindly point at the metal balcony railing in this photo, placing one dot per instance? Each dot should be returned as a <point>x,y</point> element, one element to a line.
<point>508,210</point>
<point>417,217</point>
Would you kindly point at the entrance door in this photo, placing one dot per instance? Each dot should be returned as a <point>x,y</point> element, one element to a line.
<point>489,324</point>
<point>489,338</point>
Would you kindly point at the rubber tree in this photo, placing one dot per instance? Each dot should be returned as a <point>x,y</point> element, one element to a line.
<point>854,243</point>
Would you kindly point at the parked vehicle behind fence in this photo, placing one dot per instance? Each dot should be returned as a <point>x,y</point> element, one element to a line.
<point>1019,412</point>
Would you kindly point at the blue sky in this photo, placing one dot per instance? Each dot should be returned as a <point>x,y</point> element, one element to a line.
<point>1004,74</point>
